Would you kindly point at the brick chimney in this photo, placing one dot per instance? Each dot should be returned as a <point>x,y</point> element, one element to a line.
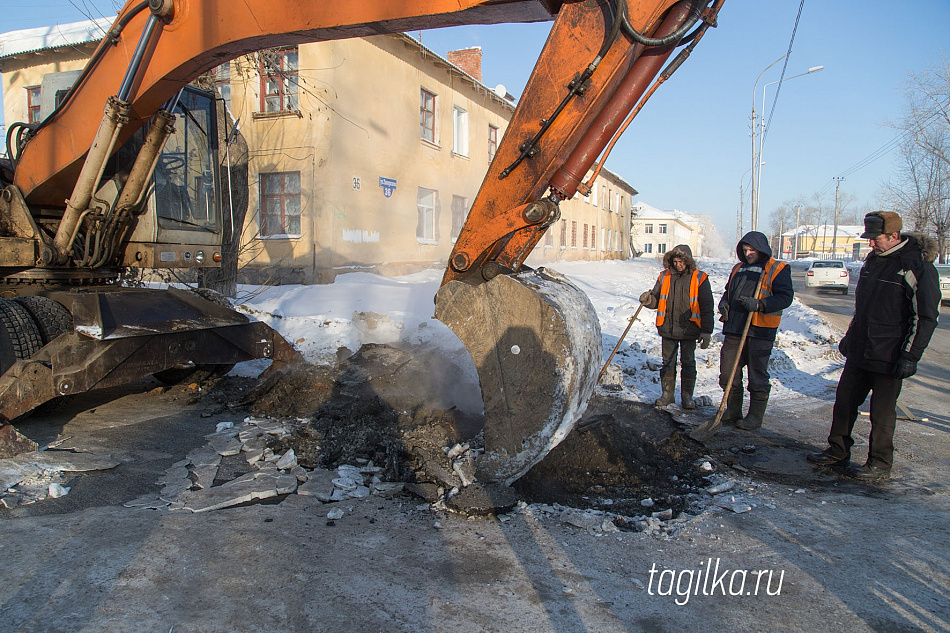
<point>468,59</point>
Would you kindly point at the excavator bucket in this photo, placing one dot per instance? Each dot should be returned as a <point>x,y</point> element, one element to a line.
<point>536,343</point>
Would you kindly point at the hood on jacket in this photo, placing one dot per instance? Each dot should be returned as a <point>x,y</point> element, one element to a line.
<point>681,250</point>
<point>756,240</point>
<point>929,249</point>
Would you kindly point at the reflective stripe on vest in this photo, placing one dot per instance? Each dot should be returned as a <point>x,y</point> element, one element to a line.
<point>772,268</point>
<point>696,280</point>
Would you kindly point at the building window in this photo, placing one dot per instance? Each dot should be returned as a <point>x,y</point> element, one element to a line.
<point>593,237</point>
<point>648,248</point>
<point>661,228</point>
<point>425,204</point>
<point>619,204</point>
<point>280,204</point>
<point>607,199</point>
<point>585,236</point>
<point>222,82</point>
<point>548,238</point>
<point>563,233</point>
<point>573,234</point>
<point>460,131</point>
<point>278,71</point>
<point>492,141</point>
<point>459,213</point>
<point>33,104</point>
<point>660,248</point>
<point>648,228</point>
<point>427,115</point>
<point>604,238</point>
<point>617,241</point>
<point>593,194</point>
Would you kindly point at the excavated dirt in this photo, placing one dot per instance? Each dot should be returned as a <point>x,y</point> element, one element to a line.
<point>376,406</point>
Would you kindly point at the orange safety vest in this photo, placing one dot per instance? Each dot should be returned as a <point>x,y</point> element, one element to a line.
<point>772,268</point>
<point>696,280</point>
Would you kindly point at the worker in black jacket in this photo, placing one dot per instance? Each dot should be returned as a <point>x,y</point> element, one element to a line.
<point>743,295</point>
<point>896,304</point>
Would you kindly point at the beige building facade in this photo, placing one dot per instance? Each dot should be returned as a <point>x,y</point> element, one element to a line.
<point>364,154</point>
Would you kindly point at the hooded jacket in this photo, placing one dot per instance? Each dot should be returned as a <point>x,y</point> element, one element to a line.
<point>775,297</point>
<point>677,324</point>
<point>896,305</point>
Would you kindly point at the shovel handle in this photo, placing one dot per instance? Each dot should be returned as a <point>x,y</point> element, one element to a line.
<point>617,346</point>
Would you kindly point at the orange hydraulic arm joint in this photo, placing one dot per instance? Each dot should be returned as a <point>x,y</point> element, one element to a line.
<point>529,177</point>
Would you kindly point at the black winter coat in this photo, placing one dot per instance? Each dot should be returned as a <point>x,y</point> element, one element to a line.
<point>896,304</point>
<point>743,284</point>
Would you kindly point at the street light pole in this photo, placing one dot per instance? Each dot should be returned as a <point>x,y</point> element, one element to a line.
<point>754,200</point>
<point>741,209</point>
<point>758,177</point>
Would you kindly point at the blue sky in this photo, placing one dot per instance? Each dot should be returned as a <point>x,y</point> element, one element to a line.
<point>691,146</point>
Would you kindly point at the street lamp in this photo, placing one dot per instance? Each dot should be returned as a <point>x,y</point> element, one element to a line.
<point>758,177</point>
<point>741,209</point>
<point>755,210</point>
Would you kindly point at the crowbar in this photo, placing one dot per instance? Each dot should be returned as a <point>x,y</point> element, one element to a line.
<point>617,346</point>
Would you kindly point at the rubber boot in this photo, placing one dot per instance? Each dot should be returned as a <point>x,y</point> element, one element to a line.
<point>733,412</point>
<point>757,403</point>
<point>669,386</point>
<point>686,392</point>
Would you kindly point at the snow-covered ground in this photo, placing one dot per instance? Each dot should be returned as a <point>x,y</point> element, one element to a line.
<point>363,308</point>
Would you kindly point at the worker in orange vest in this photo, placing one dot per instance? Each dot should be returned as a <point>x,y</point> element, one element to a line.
<point>741,297</point>
<point>684,314</point>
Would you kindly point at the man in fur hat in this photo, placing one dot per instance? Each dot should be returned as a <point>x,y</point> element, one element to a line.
<point>896,306</point>
<point>684,313</point>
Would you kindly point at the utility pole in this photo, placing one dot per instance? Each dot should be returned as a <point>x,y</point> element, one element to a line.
<point>834,237</point>
<point>798,226</point>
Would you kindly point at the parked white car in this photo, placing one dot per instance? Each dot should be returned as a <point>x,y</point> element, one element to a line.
<point>829,274</point>
<point>944,272</point>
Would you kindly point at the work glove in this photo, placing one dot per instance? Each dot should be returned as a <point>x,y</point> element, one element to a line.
<point>645,297</point>
<point>749,303</point>
<point>723,311</point>
<point>704,339</point>
<point>905,368</point>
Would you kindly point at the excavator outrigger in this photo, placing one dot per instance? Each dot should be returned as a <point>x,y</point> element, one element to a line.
<point>68,226</point>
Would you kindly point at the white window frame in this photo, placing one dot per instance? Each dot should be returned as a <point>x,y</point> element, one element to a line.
<point>426,201</point>
<point>459,131</point>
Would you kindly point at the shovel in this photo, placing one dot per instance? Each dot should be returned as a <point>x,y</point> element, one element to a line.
<point>707,429</point>
<point>616,347</point>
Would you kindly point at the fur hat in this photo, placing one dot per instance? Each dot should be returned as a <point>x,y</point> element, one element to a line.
<point>878,222</point>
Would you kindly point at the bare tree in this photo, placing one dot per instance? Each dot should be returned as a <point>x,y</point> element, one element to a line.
<point>920,190</point>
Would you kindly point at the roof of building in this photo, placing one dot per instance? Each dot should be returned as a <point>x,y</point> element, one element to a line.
<point>46,38</point>
<point>844,230</point>
<point>644,211</point>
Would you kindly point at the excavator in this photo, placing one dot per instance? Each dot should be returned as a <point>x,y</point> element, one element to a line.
<point>72,223</point>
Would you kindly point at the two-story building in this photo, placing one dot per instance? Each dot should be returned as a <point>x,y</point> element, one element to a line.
<point>653,232</point>
<point>363,154</point>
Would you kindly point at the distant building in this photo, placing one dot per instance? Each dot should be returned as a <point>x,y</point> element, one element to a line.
<point>819,241</point>
<point>653,232</point>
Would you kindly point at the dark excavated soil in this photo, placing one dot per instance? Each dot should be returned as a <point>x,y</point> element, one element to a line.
<point>377,405</point>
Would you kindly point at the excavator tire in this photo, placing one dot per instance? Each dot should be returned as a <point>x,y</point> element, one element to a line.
<point>20,337</point>
<point>51,317</point>
<point>536,342</point>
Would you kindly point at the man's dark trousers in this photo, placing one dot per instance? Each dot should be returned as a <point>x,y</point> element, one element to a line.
<point>853,389</point>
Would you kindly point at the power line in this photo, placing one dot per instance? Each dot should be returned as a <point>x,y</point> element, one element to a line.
<point>765,132</point>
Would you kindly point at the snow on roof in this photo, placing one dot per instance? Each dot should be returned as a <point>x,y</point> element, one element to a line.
<point>56,36</point>
<point>644,211</point>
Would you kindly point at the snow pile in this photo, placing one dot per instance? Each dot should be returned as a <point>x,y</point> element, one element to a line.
<point>363,308</point>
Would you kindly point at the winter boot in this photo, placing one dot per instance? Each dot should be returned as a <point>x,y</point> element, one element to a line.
<point>669,386</point>
<point>686,392</point>
<point>733,411</point>
<point>757,403</point>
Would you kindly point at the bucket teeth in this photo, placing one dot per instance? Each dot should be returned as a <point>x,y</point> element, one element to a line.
<point>536,343</point>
